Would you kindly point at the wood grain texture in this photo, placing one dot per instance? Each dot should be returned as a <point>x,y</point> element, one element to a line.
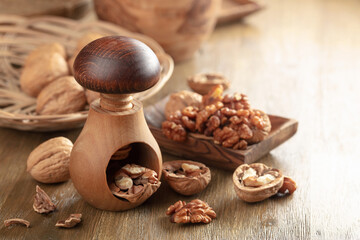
<point>117,65</point>
<point>299,59</point>
<point>200,147</point>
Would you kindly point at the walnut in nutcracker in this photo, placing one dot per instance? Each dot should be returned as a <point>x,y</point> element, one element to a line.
<point>62,96</point>
<point>257,182</point>
<point>42,66</point>
<point>134,183</point>
<point>186,177</point>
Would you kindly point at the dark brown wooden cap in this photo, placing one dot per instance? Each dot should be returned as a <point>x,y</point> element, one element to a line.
<point>117,65</point>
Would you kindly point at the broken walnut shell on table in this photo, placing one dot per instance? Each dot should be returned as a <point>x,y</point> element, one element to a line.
<point>256,182</point>
<point>202,83</point>
<point>49,162</point>
<point>12,221</point>
<point>186,177</point>
<point>62,96</point>
<point>42,202</point>
<point>70,222</point>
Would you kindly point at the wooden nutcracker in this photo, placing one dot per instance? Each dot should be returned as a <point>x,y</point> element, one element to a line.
<point>115,132</point>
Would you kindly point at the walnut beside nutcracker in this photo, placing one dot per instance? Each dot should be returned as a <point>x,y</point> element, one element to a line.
<point>115,133</point>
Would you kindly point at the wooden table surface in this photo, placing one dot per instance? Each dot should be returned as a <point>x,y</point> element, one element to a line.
<point>299,59</point>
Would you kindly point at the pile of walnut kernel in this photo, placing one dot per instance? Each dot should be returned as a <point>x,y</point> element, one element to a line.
<point>229,119</point>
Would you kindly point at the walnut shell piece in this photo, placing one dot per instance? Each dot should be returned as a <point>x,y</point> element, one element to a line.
<point>41,68</point>
<point>196,211</point>
<point>257,182</point>
<point>186,177</point>
<point>134,183</point>
<point>202,83</point>
<point>70,222</point>
<point>49,162</point>
<point>178,101</point>
<point>62,96</point>
<point>42,202</point>
<point>13,221</point>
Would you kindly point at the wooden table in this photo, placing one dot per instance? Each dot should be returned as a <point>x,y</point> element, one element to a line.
<point>299,59</point>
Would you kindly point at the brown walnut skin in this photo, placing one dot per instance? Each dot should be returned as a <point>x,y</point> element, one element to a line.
<point>186,185</point>
<point>117,65</point>
<point>256,194</point>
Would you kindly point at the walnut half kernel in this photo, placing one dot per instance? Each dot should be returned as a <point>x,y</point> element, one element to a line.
<point>196,211</point>
<point>186,177</point>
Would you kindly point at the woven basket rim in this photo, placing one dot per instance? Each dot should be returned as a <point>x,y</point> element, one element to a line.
<point>13,26</point>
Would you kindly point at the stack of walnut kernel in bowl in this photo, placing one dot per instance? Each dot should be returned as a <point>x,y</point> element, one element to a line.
<point>229,119</point>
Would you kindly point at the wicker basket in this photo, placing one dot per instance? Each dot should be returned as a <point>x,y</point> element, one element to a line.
<point>19,35</point>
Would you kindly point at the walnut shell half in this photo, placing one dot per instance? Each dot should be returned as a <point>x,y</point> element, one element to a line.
<point>202,83</point>
<point>250,188</point>
<point>186,177</point>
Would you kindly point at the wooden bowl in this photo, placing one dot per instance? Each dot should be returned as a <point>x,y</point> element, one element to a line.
<point>19,35</point>
<point>199,147</point>
<point>178,26</point>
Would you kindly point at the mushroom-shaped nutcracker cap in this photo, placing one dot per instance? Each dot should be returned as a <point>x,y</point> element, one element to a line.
<point>117,65</point>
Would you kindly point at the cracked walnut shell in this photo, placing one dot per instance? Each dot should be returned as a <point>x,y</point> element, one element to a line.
<point>49,162</point>
<point>70,222</point>
<point>62,96</point>
<point>257,182</point>
<point>12,221</point>
<point>186,177</point>
<point>134,183</point>
<point>42,202</point>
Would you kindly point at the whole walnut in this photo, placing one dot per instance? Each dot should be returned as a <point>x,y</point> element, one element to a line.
<point>62,96</point>
<point>42,66</point>
<point>180,100</point>
<point>43,51</point>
